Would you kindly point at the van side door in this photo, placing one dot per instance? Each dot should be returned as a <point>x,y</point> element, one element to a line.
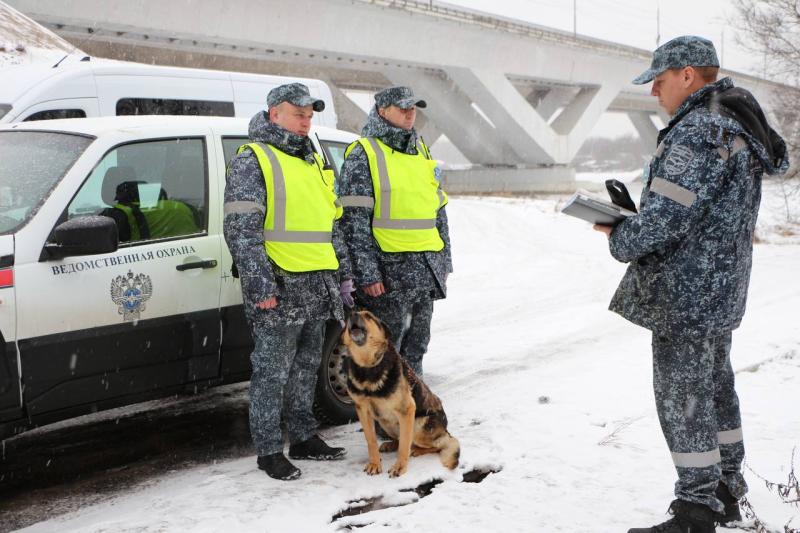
<point>237,342</point>
<point>102,330</point>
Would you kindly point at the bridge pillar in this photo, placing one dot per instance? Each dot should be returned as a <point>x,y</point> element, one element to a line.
<point>534,140</point>
<point>349,116</point>
<point>648,133</point>
<point>514,118</point>
<point>555,99</point>
<point>575,122</point>
<point>427,129</point>
<point>452,113</point>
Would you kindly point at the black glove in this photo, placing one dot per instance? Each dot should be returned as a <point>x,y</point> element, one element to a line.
<point>619,195</point>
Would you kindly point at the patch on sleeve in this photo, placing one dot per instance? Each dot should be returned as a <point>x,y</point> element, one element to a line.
<point>737,146</point>
<point>678,159</point>
<point>674,192</point>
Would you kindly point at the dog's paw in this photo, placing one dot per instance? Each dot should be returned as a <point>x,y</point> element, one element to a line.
<point>389,446</point>
<point>416,452</point>
<point>398,469</point>
<point>373,468</point>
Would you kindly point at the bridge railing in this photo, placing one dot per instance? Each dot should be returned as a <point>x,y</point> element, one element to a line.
<point>497,22</point>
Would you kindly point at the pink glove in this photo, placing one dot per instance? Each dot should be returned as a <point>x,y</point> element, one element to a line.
<point>345,292</point>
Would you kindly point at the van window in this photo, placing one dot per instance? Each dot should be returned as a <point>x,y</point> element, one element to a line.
<point>162,106</point>
<point>153,190</point>
<point>53,114</point>
<point>230,145</point>
<point>4,109</point>
<point>335,152</point>
<point>31,164</point>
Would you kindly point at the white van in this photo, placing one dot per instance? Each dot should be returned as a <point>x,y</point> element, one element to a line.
<point>99,87</point>
<point>89,323</point>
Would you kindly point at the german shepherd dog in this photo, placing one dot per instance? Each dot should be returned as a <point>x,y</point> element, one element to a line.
<point>385,388</point>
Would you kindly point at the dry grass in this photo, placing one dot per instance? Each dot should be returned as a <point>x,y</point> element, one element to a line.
<point>788,493</point>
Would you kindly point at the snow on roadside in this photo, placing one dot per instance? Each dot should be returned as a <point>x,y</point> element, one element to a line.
<point>539,382</point>
<point>12,55</point>
<point>23,41</point>
<point>779,216</point>
<point>16,27</point>
<point>627,176</point>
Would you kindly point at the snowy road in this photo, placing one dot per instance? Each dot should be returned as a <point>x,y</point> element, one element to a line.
<point>540,383</point>
<point>59,468</point>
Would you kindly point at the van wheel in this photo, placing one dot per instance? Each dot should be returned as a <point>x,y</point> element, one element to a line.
<point>332,404</point>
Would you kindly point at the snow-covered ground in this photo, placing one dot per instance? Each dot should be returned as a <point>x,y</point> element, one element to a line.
<point>540,382</point>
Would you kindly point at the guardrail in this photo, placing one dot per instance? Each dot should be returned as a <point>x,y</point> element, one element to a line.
<point>497,22</point>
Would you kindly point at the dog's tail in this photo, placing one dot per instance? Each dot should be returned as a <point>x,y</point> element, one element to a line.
<point>449,450</point>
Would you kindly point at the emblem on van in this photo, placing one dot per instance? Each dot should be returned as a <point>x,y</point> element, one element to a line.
<point>130,293</point>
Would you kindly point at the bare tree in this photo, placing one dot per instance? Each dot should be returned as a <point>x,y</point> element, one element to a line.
<point>788,122</point>
<point>771,28</point>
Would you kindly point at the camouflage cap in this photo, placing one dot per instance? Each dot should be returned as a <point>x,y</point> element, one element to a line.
<point>688,50</point>
<point>296,94</point>
<point>402,97</point>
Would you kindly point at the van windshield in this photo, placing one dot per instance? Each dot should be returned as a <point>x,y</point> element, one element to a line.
<point>31,164</point>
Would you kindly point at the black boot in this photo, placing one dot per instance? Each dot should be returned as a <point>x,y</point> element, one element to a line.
<point>315,448</point>
<point>687,517</point>
<point>277,466</point>
<point>732,512</point>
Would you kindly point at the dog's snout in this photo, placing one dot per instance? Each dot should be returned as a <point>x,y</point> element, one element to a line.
<point>357,328</point>
<point>357,321</point>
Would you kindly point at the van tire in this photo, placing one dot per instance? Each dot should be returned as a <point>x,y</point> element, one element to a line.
<point>332,405</point>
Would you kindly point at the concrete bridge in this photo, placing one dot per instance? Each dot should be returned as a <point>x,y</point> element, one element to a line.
<point>517,99</point>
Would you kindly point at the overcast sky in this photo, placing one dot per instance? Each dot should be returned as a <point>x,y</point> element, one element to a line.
<point>633,22</point>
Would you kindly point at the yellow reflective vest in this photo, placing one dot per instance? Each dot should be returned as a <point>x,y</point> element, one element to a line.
<point>168,218</point>
<point>407,198</point>
<point>301,209</point>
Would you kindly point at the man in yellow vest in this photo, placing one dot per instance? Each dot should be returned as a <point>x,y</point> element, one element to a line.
<point>395,223</point>
<point>165,218</point>
<point>280,226</point>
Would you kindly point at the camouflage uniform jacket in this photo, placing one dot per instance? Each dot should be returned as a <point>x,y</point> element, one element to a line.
<point>302,296</point>
<point>405,275</point>
<point>690,247</point>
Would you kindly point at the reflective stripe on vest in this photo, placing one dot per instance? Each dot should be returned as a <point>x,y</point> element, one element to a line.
<point>301,208</point>
<point>407,199</point>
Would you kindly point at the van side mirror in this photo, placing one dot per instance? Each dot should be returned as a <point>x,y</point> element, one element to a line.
<point>87,235</point>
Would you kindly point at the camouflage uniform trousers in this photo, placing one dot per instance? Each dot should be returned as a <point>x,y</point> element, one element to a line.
<point>285,363</point>
<point>699,413</point>
<point>408,318</point>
